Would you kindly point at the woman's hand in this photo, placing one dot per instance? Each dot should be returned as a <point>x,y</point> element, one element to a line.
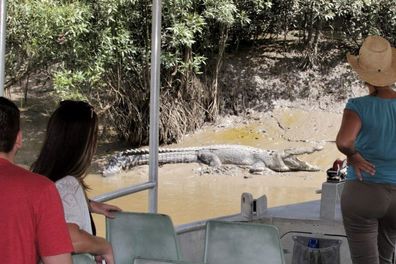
<point>107,258</point>
<point>359,164</point>
<point>83,242</point>
<point>103,209</point>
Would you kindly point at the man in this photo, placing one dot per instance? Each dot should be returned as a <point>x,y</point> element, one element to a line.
<point>32,224</point>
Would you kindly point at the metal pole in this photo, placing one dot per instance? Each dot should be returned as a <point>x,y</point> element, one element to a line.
<point>3,20</point>
<point>124,191</point>
<point>154,103</point>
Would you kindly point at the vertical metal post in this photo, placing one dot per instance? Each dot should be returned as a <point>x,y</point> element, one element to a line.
<point>154,103</point>
<point>3,21</point>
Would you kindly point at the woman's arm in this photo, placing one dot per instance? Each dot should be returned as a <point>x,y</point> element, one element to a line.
<point>58,259</point>
<point>102,208</point>
<point>83,242</point>
<point>350,127</point>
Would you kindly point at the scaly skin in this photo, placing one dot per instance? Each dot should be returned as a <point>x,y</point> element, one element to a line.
<point>216,155</point>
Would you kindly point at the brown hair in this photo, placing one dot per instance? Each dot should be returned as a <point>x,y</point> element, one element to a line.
<point>70,142</point>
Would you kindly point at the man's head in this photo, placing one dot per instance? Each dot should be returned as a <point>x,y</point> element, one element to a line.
<point>10,136</point>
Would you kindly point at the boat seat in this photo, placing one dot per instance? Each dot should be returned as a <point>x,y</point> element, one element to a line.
<point>139,260</point>
<point>247,243</point>
<point>83,259</point>
<point>145,235</point>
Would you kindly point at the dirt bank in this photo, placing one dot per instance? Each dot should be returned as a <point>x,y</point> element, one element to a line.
<point>264,76</point>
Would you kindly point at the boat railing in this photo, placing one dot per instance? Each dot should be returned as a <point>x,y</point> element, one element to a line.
<point>125,191</point>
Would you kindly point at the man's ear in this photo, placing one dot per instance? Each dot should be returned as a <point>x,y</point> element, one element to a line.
<point>18,142</point>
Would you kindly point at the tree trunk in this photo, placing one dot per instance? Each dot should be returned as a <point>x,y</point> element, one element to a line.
<point>26,88</point>
<point>213,108</point>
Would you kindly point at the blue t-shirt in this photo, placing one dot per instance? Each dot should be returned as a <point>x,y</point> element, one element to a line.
<point>376,141</point>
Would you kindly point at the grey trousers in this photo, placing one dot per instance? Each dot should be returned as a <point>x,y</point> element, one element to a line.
<point>369,214</point>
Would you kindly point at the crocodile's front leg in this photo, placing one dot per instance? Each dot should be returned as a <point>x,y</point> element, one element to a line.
<point>274,161</point>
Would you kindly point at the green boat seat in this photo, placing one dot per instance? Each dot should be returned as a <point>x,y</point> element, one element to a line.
<point>139,260</point>
<point>83,259</point>
<point>145,235</point>
<point>237,243</point>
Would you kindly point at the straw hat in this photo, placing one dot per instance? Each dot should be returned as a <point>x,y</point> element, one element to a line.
<point>376,63</point>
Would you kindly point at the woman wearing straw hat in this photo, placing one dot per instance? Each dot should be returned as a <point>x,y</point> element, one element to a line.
<point>368,138</point>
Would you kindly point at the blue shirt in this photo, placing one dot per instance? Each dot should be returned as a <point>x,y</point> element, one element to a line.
<point>376,140</point>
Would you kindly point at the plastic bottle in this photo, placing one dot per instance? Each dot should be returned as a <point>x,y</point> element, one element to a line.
<point>314,255</point>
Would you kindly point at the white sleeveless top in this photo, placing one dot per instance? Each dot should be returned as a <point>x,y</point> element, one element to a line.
<point>74,202</point>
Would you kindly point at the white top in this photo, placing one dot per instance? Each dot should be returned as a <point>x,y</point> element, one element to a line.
<point>74,202</point>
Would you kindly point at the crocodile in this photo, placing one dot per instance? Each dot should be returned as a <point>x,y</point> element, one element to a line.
<point>216,155</point>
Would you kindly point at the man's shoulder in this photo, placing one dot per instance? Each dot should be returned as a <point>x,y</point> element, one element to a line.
<point>16,172</point>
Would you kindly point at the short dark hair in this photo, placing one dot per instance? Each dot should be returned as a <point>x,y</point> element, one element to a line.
<point>70,142</point>
<point>9,124</point>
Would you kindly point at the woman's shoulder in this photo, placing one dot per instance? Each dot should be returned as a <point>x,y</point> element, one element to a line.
<point>357,102</point>
<point>68,179</point>
<point>361,98</point>
<point>68,182</point>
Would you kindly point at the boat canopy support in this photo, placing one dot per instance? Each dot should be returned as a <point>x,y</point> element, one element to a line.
<point>3,21</point>
<point>154,103</point>
<point>152,184</point>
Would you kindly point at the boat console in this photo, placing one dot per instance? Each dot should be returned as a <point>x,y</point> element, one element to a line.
<point>310,231</point>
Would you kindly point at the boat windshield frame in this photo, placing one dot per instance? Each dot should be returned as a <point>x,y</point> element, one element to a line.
<point>152,184</point>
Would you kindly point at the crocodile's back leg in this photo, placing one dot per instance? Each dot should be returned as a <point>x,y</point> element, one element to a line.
<point>209,158</point>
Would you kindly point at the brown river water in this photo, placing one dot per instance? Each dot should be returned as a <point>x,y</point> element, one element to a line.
<point>187,193</point>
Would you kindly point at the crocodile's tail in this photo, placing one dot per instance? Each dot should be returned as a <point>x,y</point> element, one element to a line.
<point>123,161</point>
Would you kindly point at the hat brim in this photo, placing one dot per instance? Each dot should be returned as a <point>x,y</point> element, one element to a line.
<point>383,78</point>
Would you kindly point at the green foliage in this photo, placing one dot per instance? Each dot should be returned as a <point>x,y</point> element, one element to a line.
<point>100,50</point>
<point>67,85</point>
<point>39,33</point>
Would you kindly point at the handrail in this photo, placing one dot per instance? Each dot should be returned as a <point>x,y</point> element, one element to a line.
<point>124,191</point>
<point>3,21</point>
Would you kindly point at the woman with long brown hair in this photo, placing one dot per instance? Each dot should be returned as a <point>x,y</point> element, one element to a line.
<point>65,157</point>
